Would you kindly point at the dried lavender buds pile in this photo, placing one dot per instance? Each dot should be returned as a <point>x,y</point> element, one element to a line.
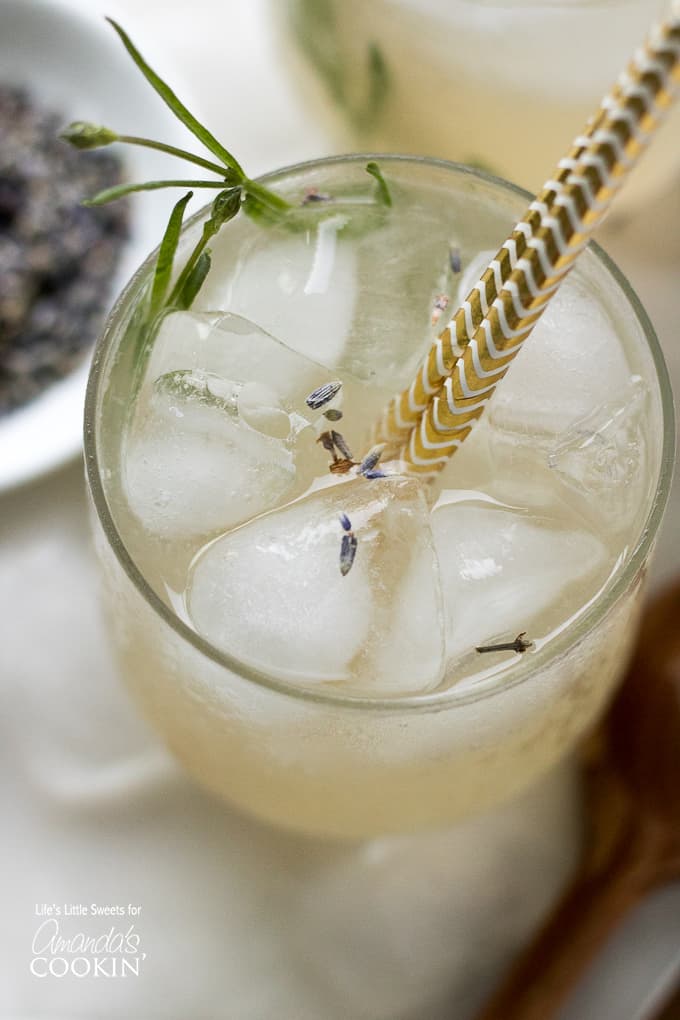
<point>56,257</point>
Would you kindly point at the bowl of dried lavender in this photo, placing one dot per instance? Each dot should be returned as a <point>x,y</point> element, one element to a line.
<point>62,264</point>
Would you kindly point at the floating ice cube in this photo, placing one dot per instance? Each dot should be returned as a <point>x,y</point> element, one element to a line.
<point>603,457</point>
<point>511,466</point>
<point>194,464</point>
<point>504,570</point>
<point>221,431</point>
<point>271,592</point>
<point>235,348</point>
<point>302,287</point>
<point>403,266</point>
<point>232,347</point>
<point>570,364</point>
<point>354,291</point>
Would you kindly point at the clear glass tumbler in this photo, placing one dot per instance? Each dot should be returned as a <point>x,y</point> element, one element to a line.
<point>318,760</point>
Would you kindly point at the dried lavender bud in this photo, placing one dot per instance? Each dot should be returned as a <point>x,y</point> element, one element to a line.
<point>518,645</point>
<point>341,466</point>
<point>348,550</point>
<point>374,474</point>
<point>57,258</point>
<point>340,444</point>
<point>323,395</point>
<point>314,195</point>
<point>454,259</point>
<point>371,459</point>
<point>327,442</point>
<point>345,521</point>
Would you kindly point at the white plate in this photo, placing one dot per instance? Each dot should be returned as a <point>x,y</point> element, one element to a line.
<point>72,62</point>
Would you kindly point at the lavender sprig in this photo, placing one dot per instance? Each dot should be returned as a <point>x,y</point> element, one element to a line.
<point>234,187</point>
<point>236,190</point>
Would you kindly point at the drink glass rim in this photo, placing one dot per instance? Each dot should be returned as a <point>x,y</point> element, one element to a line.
<point>526,667</point>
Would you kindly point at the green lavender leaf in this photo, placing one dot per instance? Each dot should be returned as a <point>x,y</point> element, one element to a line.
<point>227,174</point>
<point>383,192</point>
<point>194,281</point>
<point>236,191</point>
<point>223,209</point>
<point>175,104</point>
<point>166,256</point>
<point>111,194</point>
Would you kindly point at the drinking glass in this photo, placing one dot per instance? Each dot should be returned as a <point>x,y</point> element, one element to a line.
<point>320,760</point>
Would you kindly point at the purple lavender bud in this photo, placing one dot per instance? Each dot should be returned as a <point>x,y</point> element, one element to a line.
<point>348,551</point>
<point>454,260</point>
<point>322,395</point>
<point>371,459</point>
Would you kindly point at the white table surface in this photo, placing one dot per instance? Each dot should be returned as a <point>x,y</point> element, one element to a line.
<point>237,920</point>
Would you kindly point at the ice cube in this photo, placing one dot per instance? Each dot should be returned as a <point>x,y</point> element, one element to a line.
<point>232,347</point>
<point>602,457</point>
<point>194,464</point>
<point>235,348</point>
<point>354,292</point>
<point>570,364</point>
<point>403,266</point>
<point>221,430</point>
<point>505,570</point>
<point>300,287</point>
<point>271,592</point>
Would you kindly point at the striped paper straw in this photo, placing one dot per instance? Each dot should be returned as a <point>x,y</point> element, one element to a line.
<point>472,354</point>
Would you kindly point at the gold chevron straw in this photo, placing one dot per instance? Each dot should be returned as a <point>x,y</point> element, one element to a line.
<point>467,360</point>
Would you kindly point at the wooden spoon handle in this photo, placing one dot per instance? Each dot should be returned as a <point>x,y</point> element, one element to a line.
<point>591,907</point>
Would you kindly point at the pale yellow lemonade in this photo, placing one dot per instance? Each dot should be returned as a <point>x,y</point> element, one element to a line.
<point>354,702</point>
<point>497,83</point>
